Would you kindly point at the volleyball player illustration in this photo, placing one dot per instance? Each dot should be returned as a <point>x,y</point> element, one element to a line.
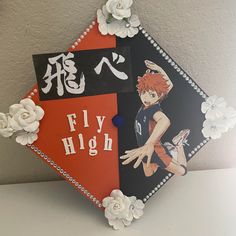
<point>151,124</point>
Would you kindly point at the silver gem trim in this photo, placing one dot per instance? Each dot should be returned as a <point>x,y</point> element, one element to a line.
<point>85,33</point>
<point>65,174</point>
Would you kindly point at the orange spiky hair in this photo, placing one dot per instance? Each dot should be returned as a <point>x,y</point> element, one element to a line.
<point>154,82</point>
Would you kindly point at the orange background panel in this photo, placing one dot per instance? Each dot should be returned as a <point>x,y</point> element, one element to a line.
<point>98,174</point>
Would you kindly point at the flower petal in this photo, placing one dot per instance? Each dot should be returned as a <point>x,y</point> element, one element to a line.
<point>32,127</point>
<point>3,116</point>
<point>22,139</point>
<point>27,101</point>
<point>206,132</point>
<point>106,201</point>
<point>109,6</point>
<point>32,137</point>
<point>213,114</point>
<point>117,193</point>
<point>132,31</point>
<point>137,213</point>
<point>211,100</point>
<point>129,216</point>
<point>15,125</point>
<point>113,27</point>
<point>139,204</point>
<point>216,135</point>
<point>7,132</point>
<point>134,21</point>
<point>220,102</point>
<point>120,14</point>
<point>117,224</point>
<point>13,109</point>
<point>103,29</point>
<point>126,222</point>
<point>132,199</point>
<point>204,107</point>
<point>126,201</point>
<point>39,113</point>
<point>100,17</point>
<point>109,215</point>
<point>105,12</point>
<point>122,33</point>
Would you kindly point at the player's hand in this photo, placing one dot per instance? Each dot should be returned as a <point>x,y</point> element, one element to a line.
<point>152,66</point>
<point>138,154</point>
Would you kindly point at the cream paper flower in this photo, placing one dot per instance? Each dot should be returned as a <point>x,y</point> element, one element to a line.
<point>113,20</point>
<point>213,106</point>
<point>213,128</point>
<point>120,210</point>
<point>22,121</point>
<point>25,115</point>
<point>119,9</point>
<point>5,129</point>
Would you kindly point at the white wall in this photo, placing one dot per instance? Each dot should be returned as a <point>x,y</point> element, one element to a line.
<point>199,34</point>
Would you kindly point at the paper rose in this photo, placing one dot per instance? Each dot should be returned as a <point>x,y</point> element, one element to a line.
<point>25,115</point>
<point>120,210</point>
<point>213,128</point>
<point>5,129</point>
<point>117,206</point>
<point>22,121</point>
<point>26,138</point>
<point>115,18</point>
<point>213,106</point>
<point>119,9</point>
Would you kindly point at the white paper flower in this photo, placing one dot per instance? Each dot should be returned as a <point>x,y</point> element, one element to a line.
<point>25,116</point>
<point>119,9</point>
<point>213,128</point>
<point>128,28</point>
<point>5,129</point>
<point>25,138</point>
<point>117,205</point>
<point>106,25</point>
<point>213,106</point>
<point>228,117</point>
<point>120,210</point>
<point>136,207</point>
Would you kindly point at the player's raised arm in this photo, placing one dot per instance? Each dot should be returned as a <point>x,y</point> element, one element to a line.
<point>152,66</point>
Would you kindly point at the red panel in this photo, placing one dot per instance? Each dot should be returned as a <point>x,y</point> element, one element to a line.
<point>98,174</point>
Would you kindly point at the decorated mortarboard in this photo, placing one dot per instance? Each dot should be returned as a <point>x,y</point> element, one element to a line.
<point>115,115</point>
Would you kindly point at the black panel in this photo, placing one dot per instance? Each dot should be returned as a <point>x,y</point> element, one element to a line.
<point>182,106</point>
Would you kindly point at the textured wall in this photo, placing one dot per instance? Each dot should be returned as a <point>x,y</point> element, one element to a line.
<point>199,34</point>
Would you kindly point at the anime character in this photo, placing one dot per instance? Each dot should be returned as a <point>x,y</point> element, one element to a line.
<point>151,124</point>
